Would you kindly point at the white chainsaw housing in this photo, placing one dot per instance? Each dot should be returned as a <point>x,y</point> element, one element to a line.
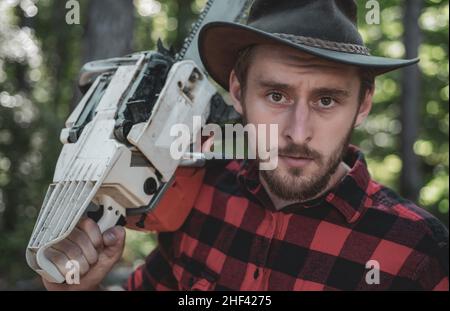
<point>98,168</point>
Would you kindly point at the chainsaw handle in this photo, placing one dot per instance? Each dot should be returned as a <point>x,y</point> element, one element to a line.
<point>112,212</point>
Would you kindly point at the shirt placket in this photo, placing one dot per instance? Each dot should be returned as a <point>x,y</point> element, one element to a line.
<point>270,229</point>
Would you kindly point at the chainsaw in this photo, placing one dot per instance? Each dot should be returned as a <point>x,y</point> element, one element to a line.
<point>115,162</point>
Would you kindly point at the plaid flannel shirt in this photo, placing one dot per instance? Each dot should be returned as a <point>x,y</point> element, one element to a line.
<point>234,239</point>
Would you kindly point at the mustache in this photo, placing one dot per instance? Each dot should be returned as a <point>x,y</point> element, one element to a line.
<point>299,151</point>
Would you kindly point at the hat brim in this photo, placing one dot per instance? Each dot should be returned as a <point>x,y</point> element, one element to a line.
<point>220,43</point>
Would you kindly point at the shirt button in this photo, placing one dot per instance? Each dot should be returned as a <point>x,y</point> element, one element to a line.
<point>256,274</point>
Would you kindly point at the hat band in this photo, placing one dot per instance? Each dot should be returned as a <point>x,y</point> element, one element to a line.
<point>324,44</point>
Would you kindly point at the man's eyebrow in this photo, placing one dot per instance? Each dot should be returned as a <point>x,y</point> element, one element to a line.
<point>330,91</point>
<point>321,91</point>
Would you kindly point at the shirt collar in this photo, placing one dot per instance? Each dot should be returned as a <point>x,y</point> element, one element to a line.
<point>350,196</point>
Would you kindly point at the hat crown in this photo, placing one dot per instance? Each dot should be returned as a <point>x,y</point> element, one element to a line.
<point>331,20</point>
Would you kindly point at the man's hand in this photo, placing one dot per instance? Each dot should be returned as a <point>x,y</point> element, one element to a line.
<point>95,253</point>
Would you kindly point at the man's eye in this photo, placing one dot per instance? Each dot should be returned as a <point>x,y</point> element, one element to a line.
<point>326,102</point>
<point>277,98</point>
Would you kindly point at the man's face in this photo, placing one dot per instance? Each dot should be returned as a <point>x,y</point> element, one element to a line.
<point>316,106</point>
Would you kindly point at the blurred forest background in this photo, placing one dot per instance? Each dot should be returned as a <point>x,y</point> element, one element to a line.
<point>405,137</point>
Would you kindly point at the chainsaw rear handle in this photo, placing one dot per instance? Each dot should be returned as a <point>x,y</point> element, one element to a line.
<point>112,213</point>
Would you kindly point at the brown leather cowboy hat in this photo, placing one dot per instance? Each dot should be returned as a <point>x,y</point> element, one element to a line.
<point>325,28</point>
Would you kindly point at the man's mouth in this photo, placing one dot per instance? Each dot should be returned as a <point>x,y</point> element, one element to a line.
<point>295,161</point>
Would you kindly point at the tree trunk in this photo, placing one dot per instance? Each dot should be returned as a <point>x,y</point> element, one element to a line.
<point>185,18</point>
<point>109,27</point>
<point>411,178</point>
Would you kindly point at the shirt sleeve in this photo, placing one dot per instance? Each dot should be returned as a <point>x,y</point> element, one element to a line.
<point>155,275</point>
<point>433,272</point>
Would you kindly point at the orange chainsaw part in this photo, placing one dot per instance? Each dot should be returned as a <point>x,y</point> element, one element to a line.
<point>174,206</point>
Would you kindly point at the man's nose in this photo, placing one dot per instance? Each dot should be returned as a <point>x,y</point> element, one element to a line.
<point>299,128</point>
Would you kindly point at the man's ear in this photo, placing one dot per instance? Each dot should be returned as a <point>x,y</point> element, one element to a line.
<point>365,107</point>
<point>236,92</point>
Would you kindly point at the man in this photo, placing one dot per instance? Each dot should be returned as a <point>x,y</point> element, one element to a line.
<point>316,222</point>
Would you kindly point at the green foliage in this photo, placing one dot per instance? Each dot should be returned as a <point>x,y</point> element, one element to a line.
<point>379,135</point>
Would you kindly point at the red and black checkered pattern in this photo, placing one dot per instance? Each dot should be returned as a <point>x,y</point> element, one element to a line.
<point>234,239</point>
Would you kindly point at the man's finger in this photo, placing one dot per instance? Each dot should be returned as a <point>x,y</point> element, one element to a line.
<point>81,239</point>
<point>73,252</point>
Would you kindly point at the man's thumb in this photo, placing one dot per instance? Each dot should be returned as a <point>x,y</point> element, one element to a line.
<point>114,237</point>
<point>113,242</point>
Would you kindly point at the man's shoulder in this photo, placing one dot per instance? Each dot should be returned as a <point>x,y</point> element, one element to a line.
<point>404,221</point>
<point>222,172</point>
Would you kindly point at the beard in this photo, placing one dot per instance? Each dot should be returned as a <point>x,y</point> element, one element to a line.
<point>294,185</point>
